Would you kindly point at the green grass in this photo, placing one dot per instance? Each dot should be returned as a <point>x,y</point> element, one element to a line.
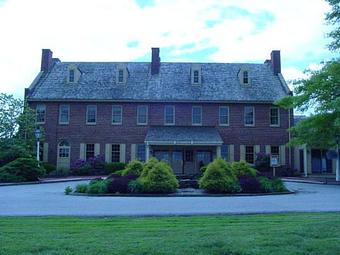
<point>298,233</point>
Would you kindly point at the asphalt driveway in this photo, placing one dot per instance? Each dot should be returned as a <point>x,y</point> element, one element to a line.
<point>49,199</point>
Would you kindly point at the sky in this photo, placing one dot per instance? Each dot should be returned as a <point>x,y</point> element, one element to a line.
<point>185,30</point>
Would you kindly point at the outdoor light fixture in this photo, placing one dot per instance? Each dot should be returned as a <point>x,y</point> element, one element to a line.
<point>37,134</point>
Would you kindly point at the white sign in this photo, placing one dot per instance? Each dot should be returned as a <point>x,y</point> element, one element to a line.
<point>274,160</point>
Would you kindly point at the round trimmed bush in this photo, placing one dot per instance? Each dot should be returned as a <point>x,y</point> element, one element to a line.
<point>219,178</point>
<point>242,168</point>
<point>148,166</point>
<point>21,170</point>
<point>159,179</point>
<point>97,187</point>
<point>135,167</point>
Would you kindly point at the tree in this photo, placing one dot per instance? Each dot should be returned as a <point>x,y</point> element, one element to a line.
<point>333,18</point>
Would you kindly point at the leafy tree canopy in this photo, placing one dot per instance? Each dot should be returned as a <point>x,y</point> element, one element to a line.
<point>333,18</point>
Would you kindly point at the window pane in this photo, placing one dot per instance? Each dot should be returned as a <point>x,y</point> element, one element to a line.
<point>71,77</point>
<point>141,150</point>
<point>89,151</point>
<point>91,114</point>
<point>117,114</point>
<point>121,75</point>
<point>40,112</point>
<point>64,114</point>
<point>224,115</point>
<point>249,115</point>
<point>224,152</point>
<point>250,154</point>
<point>196,115</point>
<point>142,112</point>
<point>196,76</point>
<point>245,77</point>
<point>274,116</point>
<point>115,152</point>
<point>169,115</point>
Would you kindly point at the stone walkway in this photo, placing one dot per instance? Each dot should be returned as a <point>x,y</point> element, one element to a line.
<point>49,199</point>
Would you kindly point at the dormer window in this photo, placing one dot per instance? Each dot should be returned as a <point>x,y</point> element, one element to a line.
<point>245,77</point>
<point>71,76</point>
<point>121,74</point>
<point>196,74</point>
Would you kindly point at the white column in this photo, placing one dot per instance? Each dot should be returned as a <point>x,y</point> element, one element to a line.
<point>305,160</point>
<point>147,152</point>
<point>337,169</point>
<point>218,151</point>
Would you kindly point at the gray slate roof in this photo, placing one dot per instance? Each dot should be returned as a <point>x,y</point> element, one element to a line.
<point>183,135</point>
<point>219,83</point>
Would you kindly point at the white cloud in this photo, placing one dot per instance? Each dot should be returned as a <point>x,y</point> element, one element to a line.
<point>84,30</point>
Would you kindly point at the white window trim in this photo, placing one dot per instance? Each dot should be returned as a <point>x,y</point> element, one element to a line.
<point>121,67</point>
<point>174,118</point>
<point>241,76</point>
<point>196,67</point>
<point>192,116</point>
<point>121,115</point>
<point>278,115</point>
<point>147,115</point>
<point>87,109</point>
<point>219,115</point>
<point>76,76</point>
<point>36,112</point>
<point>244,117</point>
<point>68,117</point>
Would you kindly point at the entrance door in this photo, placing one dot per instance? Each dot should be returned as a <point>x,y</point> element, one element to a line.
<point>63,159</point>
<point>316,161</point>
<point>177,162</point>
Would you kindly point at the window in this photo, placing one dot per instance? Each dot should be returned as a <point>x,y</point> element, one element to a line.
<point>115,153</point>
<point>196,115</point>
<point>120,75</point>
<point>117,115</point>
<point>189,156</point>
<point>249,116</point>
<point>224,152</point>
<point>245,77</point>
<point>71,76</point>
<point>89,151</point>
<point>142,115</point>
<point>141,150</point>
<point>91,114</point>
<point>64,149</point>
<point>169,115</point>
<point>274,117</point>
<point>64,114</point>
<point>250,154</point>
<point>196,76</point>
<point>224,115</point>
<point>40,113</point>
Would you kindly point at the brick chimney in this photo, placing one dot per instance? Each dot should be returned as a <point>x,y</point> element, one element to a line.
<point>155,61</point>
<point>46,60</point>
<point>275,60</point>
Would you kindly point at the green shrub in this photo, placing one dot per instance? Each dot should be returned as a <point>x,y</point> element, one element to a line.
<point>278,186</point>
<point>68,190</point>
<point>81,188</point>
<point>10,152</point>
<point>61,172</point>
<point>136,186</point>
<point>48,167</point>
<point>20,170</point>
<point>159,179</point>
<point>135,167</point>
<point>97,187</point>
<point>219,178</point>
<point>120,172</point>
<point>242,168</point>
<point>269,185</point>
<point>114,166</point>
<point>148,166</point>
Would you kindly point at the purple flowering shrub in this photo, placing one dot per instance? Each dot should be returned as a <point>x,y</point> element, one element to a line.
<point>94,165</point>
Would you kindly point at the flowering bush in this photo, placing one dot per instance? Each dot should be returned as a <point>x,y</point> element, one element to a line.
<point>262,162</point>
<point>88,167</point>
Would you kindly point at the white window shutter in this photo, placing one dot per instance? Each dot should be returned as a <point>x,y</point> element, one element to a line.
<point>82,151</point>
<point>133,151</point>
<point>45,153</point>
<point>122,152</point>
<point>282,155</point>
<point>231,152</point>
<point>267,149</point>
<point>96,149</point>
<point>108,153</point>
<point>242,152</point>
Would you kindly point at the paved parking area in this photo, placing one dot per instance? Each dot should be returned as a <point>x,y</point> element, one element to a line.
<point>49,199</point>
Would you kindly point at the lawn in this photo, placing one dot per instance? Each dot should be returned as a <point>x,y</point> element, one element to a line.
<point>299,233</point>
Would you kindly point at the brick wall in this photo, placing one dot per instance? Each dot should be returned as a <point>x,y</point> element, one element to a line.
<point>129,132</point>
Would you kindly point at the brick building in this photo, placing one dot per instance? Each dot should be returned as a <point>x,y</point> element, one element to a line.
<point>185,113</point>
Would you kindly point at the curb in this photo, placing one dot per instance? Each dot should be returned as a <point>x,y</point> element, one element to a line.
<point>46,182</point>
<point>303,181</point>
<point>183,195</point>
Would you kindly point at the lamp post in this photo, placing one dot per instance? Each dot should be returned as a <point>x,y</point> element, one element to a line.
<point>37,134</point>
